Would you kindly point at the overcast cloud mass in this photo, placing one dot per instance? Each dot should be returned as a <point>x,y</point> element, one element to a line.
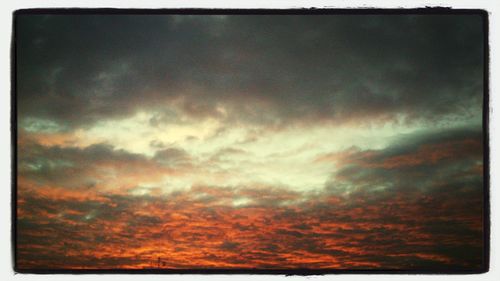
<point>245,141</point>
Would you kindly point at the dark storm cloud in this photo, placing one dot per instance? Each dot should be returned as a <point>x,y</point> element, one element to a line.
<point>97,164</point>
<point>437,175</point>
<point>79,69</point>
<point>466,142</point>
<point>429,160</point>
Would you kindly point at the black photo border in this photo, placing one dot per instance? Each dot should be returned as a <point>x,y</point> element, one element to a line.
<point>305,11</point>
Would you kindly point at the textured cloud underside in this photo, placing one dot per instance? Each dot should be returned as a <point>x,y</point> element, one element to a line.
<point>250,141</point>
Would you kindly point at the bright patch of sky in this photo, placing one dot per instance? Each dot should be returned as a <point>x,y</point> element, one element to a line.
<point>257,156</point>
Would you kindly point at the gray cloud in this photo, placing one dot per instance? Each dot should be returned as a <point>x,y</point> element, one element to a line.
<point>87,167</point>
<point>264,69</point>
<point>453,158</point>
<point>174,157</point>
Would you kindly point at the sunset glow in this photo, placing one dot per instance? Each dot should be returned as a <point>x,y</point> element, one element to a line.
<point>256,142</point>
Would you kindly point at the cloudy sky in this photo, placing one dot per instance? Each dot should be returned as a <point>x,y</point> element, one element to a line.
<point>245,141</point>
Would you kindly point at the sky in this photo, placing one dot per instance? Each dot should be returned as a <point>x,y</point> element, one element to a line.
<point>250,141</point>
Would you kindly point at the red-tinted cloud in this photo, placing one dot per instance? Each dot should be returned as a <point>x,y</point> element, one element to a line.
<point>403,230</point>
<point>416,206</point>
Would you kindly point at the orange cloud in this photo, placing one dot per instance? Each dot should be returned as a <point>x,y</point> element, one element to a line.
<point>62,230</point>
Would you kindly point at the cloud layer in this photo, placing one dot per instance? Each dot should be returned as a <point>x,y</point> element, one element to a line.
<point>375,212</point>
<point>332,141</point>
<point>273,70</point>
